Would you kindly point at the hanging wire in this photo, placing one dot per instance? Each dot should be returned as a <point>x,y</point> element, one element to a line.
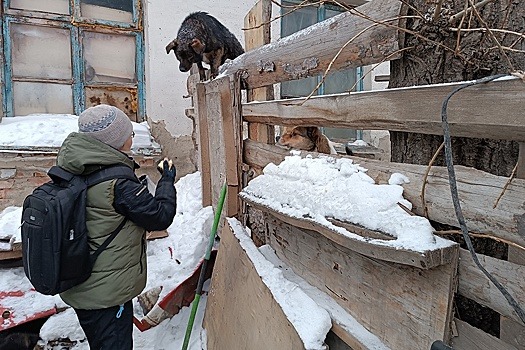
<point>455,198</point>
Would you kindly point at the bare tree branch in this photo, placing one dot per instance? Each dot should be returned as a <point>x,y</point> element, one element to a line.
<point>480,4</point>
<point>491,34</point>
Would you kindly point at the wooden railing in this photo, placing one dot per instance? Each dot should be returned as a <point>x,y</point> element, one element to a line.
<point>493,110</point>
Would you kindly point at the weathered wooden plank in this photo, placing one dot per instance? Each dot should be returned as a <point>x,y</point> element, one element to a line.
<point>257,34</point>
<point>471,112</point>
<point>347,338</point>
<point>213,105</point>
<point>360,230</point>
<point>382,296</point>
<point>478,191</point>
<point>422,260</point>
<point>510,331</point>
<point>310,51</point>
<point>10,254</point>
<point>232,132</point>
<point>471,338</point>
<point>474,285</point>
<point>204,144</point>
<point>233,320</point>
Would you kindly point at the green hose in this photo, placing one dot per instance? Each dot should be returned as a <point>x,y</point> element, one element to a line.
<point>202,274</point>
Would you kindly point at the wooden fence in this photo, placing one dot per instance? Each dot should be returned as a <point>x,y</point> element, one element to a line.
<point>408,318</point>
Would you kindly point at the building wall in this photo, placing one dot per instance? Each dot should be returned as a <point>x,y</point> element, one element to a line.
<point>165,84</point>
<point>377,138</point>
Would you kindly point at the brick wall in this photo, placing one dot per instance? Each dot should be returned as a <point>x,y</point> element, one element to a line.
<point>20,173</point>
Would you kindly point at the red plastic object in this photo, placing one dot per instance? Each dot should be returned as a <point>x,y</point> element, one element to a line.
<point>8,315</point>
<point>181,296</point>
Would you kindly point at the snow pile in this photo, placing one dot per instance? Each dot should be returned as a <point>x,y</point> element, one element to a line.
<point>10,219</point>
<point>324,187</point>
<point>50,130</point>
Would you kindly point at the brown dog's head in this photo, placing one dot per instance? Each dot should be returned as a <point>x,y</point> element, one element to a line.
<point>187,53</point>
<point>297,137</point>
<point>308,138</point>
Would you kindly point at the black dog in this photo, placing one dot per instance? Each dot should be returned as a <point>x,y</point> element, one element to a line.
<point>201,37</point>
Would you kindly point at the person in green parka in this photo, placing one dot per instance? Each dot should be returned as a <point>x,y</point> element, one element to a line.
<point>103,302</point>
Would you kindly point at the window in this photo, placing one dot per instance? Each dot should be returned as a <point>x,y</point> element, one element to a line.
<point>340,81</point>
<point>62,56</point>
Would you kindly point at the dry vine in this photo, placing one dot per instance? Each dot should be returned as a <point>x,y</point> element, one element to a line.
<point>425,209</point>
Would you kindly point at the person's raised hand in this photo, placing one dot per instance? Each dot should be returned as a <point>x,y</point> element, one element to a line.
<point>167,169</point>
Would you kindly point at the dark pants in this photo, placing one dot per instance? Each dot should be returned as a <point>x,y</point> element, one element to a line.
<point>105,331</point>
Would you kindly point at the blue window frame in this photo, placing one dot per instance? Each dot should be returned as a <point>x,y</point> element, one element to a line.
<point>105,44</point>
<point>336,82</point>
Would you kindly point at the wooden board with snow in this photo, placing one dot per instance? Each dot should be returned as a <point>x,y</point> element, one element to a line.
<point>313,190</point>
<point>391,272</point>
<point>252,306</point>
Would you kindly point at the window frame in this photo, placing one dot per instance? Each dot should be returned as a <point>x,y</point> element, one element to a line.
<point>321,16</point>
<point>76,25</point>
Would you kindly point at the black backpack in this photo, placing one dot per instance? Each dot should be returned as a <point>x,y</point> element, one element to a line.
<point>55,249</point>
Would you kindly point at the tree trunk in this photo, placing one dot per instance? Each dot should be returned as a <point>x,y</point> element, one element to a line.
<point>475,54</point>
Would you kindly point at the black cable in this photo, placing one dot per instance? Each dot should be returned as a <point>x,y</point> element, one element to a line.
<point>439,345</point>
<point>455,198</point>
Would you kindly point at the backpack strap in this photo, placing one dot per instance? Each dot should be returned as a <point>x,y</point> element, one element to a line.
<point>105,174</point>
<point>119,171</point>
<point>109,173</point>
<point>108,240</point>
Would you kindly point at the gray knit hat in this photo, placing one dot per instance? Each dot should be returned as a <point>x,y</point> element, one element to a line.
<point>107,124</point>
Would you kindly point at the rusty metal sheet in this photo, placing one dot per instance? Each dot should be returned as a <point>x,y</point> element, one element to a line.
<point>123,98</point>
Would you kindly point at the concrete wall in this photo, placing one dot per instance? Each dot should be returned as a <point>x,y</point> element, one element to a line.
<point>165,84</point>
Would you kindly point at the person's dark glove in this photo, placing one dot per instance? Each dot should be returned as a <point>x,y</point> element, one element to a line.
<point>168,171</point>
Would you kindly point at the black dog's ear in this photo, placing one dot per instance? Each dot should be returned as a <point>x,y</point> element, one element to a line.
<point>197,46</point>
<point>172,46</point>
<point>313,133</point>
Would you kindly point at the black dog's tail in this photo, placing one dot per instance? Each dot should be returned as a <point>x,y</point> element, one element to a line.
<point>348,150</point>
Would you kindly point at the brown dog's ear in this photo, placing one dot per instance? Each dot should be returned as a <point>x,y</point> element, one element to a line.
<point>198,46</point>
<point>172,46</point>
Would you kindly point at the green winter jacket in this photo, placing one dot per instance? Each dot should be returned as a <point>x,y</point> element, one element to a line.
<point>119,273</point>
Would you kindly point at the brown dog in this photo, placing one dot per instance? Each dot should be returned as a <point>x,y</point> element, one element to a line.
<point>308,138</point>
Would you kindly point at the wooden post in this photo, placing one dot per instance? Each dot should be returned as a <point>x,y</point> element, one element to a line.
<point>511,331</point>
<point>259,20</point>
<point>204,145</point>
<point>230,95</point>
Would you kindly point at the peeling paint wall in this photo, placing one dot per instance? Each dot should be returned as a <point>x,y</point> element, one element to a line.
<point>165,84</point>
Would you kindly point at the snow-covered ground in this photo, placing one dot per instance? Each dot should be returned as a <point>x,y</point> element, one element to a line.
<point>50,130</point>
<point>313,188</point>
<point>170,261</point>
